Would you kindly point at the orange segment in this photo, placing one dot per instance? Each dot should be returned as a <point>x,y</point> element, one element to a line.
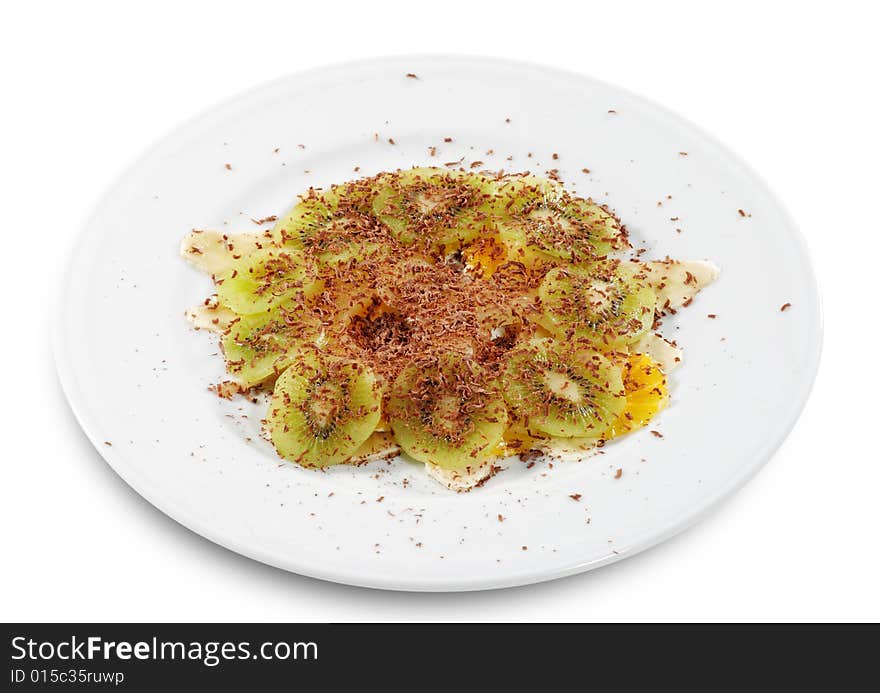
<point>517,440</point>
<point>647,393</point>
<point>484,255</point>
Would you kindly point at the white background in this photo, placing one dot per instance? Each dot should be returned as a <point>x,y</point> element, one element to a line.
<point>791,87</point>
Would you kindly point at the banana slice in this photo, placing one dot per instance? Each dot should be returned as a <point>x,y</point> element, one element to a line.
<point>210,316</point>
<point>676,282</point>
<point>214,252</point>
<point>461,480</point>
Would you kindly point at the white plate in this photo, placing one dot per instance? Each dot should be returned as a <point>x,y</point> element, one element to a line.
<point>137,376</point>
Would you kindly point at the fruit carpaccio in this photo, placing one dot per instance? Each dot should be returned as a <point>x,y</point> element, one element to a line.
<point>453,316</point>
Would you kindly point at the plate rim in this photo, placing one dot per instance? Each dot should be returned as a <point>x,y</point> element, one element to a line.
<point>67,372</point>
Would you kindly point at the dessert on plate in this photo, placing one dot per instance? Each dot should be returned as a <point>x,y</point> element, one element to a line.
<point>453,317</point>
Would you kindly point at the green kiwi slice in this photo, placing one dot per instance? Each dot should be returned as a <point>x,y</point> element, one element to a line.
<point>258,346</point>
<point>335,226</point>
<point>538,220</point>
<point>261,280</point>
<point>443,209</point>
<point>609,304</point>
<point>447,413</point>
<point>563,392</point>
<point>323,408</point>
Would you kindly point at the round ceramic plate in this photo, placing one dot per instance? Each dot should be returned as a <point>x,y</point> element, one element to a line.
<point>137,376</point>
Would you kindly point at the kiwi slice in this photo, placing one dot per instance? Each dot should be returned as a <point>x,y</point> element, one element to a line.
<point>608,303</point>
<point>444,209</point>
<point>258,346</point>
<point>334,226</point>
<point>539,221</point>
<point>446,412</point>
<point>563,392</point>
<point>261,280</point>
<point>323,409</point>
